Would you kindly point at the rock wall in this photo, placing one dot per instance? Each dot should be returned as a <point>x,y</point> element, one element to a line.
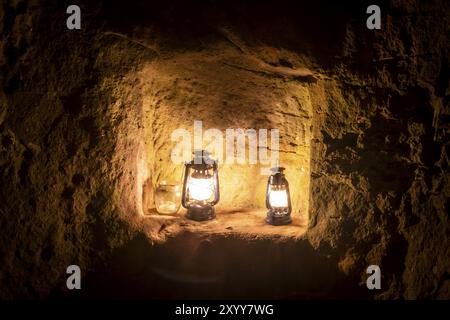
<point>379,188</point>
<point>83,116</point>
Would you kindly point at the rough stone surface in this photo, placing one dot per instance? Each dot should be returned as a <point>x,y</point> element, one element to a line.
<point>84,116</point>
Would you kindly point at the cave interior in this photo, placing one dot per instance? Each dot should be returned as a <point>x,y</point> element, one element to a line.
<point>86,118</point>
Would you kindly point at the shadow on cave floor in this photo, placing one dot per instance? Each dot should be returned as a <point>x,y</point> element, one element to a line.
<point>199,266</point>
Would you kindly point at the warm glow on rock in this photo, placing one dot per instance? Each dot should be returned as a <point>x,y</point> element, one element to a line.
<point>255,102</point>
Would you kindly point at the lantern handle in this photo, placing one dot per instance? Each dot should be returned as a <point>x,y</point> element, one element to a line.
<point>187,166</point>
<point>216,181</point>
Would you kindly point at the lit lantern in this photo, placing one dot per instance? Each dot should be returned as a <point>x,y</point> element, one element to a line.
<point>278,199</point>
<point>200,187</point>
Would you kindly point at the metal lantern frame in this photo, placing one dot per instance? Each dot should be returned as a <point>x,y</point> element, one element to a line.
<point>201,167</point>
<point>278,215</point>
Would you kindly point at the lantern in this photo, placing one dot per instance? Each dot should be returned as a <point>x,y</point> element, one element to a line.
<point>200,187</point>
<point>278,200</point>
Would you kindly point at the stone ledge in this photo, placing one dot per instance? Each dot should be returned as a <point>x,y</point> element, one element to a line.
<point>242,223</point>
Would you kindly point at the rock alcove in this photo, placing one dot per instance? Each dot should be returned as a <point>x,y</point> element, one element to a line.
<point>227,89</point>
<point>85,137</point>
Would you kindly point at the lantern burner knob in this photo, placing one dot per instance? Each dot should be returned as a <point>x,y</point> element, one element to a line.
<point>202,157</point>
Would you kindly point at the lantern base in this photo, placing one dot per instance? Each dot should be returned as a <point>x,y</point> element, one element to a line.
<point>201,213</point>
<point>277,220</point>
